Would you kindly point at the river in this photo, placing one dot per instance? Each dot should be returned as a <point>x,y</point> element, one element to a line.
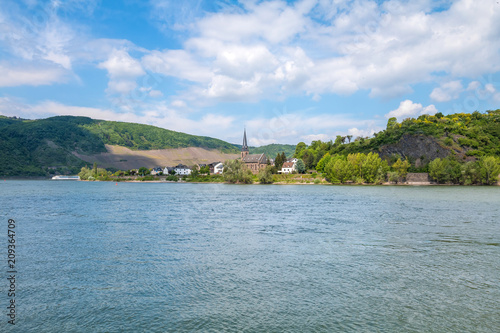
<point>135,257</point>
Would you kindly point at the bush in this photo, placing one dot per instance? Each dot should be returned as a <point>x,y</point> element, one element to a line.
<point>266,175</point>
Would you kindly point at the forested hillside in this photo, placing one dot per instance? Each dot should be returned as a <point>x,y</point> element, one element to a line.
<point>463,136</point>
<point>46,146</point>
<point>147,137</point>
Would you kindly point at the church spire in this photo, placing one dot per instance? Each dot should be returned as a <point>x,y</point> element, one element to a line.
<point>245,146</point>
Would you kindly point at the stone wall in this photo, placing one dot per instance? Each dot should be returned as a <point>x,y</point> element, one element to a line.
<point>420,178</point>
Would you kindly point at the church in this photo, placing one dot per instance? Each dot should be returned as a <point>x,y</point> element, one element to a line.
<point>255,162</point>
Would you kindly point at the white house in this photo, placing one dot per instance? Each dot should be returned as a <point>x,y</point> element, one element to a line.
<point>182,170</point>
<point>156,171</point>
<point>219,168</point>
<point>166,170</point>
<point>288,167</point>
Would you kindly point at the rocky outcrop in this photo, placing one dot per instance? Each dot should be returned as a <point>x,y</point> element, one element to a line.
<point>419,148</point>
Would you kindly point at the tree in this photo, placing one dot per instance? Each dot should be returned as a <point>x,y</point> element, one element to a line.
<point>437,170</point>
<point>143,171</point>
<point>489,169</point>
<point>401,167</point>
<point>339,169</point>
<point>205,170</point>
<point>308,158</point>
<point>283,157</point>
<point>300,166</point>
<point>356,162</point>
<point>372,168</point>
<point>95,169</point>
<point>278,161</point>
<point>194,171</point>
<point>236,172</point>
<point>299,148</point>
<point>320,167</point>
<point>392,123</point>
<point>266,175</point>
<point>338,140</point>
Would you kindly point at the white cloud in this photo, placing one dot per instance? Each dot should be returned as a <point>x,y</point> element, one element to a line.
<point>409,109</point>
<point>355,132</point>
<point>315,137</point>
<point>447,91</point>
<point>122,71</point>
<point>345,47</point>
<point>155,93</point>
<point>179,104</point>
<point>31,75</point>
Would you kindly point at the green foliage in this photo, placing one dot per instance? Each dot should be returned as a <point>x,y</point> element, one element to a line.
<point>205,170</point>
<point>236,172</point>
<point>359,168</point>
<point>94,173</point>
<point>448,170</point>
<point>266,175</point>
<point>299,148</point>
<point>144,171</point>
<point>490,169</point>
<point>172,178</point>
<point>273,149</point>
<point>279,160</point>
<point>300,166</point>
<point>477,135</point>
<point>401,167</point>
<point>146,137</point>
<point>47,146</point>
<point>320,167</point>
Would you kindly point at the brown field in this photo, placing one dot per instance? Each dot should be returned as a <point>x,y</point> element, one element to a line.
<point>125,159</point>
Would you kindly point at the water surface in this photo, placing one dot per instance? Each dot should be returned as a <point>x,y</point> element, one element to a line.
<point>100,257</point>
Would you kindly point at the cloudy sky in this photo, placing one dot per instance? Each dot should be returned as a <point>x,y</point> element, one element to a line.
<point>288,71</point>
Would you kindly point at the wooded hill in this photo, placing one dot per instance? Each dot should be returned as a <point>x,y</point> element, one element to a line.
<point>420,140</point>
<point>46,146</point>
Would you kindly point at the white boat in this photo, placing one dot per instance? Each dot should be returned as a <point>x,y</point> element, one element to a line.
<point>66,178</point>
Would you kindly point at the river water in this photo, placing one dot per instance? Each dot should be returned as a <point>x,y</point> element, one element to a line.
<point>135,257</point>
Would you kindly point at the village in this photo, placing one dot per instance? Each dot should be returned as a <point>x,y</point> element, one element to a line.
<point>254,162</point>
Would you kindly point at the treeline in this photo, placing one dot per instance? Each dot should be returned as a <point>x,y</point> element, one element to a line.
<point>484,171</point>
<point>361,168</point>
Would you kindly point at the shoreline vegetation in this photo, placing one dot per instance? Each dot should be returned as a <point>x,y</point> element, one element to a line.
<point>238,174</point>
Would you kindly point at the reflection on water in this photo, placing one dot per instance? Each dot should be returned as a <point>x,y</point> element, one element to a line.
<point>100,257</point>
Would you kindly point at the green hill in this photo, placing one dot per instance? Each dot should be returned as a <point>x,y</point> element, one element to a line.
<point>46,146</point>
<point>465,136</point>
<point>273,149</point>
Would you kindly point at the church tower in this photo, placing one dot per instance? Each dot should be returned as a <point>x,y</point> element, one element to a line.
<point>244,148</point>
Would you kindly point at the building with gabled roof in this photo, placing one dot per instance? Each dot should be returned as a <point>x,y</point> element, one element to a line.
<point>255,162</point>
<point>288,167</point>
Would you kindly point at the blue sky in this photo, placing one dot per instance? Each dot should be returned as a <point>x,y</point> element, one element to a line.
<point>288,71</point>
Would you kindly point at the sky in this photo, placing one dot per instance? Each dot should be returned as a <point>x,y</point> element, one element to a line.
<point>287,71</point>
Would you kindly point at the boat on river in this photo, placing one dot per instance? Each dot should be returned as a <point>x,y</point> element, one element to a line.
<point>66,178</point>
